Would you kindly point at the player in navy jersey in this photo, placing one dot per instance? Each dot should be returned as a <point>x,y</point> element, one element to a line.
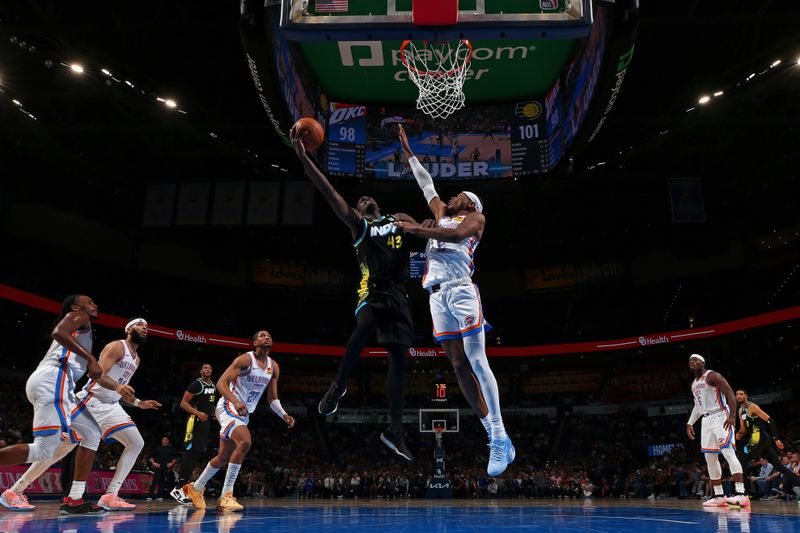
<point>382,306</point>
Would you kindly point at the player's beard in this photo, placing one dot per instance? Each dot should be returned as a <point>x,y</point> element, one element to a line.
<point>138,339</point>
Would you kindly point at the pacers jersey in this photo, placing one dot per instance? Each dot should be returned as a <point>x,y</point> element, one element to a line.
<point>382,256</point>
<point>251,384</point>
<point>121,372</point>
<point>61,356</point>
<point>447,261</point>
<point>751,425</point>
<point>707,398</point>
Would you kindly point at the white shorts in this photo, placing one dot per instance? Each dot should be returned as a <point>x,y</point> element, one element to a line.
<point>229,419</point>
<point>55,408</point>
<point>457,312</point>
<point>111,417</point>
<point>713,436</point>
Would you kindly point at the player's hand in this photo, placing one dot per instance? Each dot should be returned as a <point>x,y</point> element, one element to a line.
<point>690,431</point>
<point>296,136</point>
<point>157,465</point>
<point>240,407</point>
<point>149,404</point>
<point>289,419</point>
<point>202,416</point>
<point>730,421</point>
<point>779,444</point>
<point>125,390</point>
<point>404,141</point>
<point>93,370</point>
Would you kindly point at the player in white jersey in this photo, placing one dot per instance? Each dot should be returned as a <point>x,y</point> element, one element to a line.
<point>118,360</point>
<point>51,391</point>
<point>455,303</point>
<point>240,388</point>
<point>712,400</point>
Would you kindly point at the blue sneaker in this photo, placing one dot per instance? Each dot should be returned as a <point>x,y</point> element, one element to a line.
<point>498,457</point>
<point>511,452</point>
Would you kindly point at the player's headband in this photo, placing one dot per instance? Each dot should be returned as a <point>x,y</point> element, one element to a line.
<point>474,197</point>
<point>698,356</point>
<point>134,322</point>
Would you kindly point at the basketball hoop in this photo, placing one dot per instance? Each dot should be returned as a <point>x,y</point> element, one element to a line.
<point>439,71</point>
<point>439,431</point>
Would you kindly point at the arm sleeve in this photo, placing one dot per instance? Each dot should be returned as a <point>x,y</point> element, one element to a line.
<point>694,416</point>
<point>423,178</point>
<point>194,387</point>
<point>773,428</point>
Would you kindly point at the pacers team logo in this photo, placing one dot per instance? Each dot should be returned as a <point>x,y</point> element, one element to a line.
<point>528,110</point>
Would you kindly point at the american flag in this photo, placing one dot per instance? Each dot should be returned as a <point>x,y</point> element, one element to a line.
<point>330,6</point>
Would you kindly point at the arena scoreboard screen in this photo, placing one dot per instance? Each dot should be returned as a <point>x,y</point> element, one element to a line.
<point>528,88</point>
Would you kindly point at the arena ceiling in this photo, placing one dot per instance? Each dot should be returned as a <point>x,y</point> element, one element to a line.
<point>109,134</point>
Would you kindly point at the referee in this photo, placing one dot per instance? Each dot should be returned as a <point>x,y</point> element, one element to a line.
<point>199,401</point>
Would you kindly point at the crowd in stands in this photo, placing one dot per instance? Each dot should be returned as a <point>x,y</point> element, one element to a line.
<point>573,456</point>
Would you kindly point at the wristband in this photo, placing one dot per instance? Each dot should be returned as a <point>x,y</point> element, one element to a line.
<point>136,402</point>
<point>277,408</point>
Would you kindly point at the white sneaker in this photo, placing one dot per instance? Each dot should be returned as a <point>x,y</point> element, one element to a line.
<point>716,501</point>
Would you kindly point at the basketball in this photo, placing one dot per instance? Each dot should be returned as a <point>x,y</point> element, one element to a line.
<point>313,136</point>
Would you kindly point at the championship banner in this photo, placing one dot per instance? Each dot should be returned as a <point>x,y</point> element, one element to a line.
<point>642,341</point>
<point>50,482</point>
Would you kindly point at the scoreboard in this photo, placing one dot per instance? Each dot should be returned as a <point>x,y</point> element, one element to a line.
<point>347,139</point>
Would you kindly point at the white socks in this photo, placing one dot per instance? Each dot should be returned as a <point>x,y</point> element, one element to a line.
<point>487,425</point>
<point>230,477</point>
<point>739,487</point>
<point>475,349</point>
<point>717,490</point>
<point>207,474</point>
<point>133,442</point>
<point>77,490</point>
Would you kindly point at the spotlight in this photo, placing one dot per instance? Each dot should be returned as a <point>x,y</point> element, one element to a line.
<point>105,71</point>
<point>704,99</point>
<point>718,93</point>
<point>775,63</point>
<point>170,103</point>
<point>76,68</point>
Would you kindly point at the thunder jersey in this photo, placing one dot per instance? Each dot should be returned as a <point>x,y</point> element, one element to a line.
<point>251,384</point>
<point>382,256</point>
<point>58,356</point>
<point>707,398</point>
<point>447,261</point>
<point>121,372</point>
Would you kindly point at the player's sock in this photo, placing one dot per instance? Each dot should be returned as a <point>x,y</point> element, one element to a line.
<point>475,349</point>
<point>717,490</point>
<point>77,490</point>
<point>230,477</point>
<point>498,429</point>
<point>487,425</point>
<point>40,467</point>
<point>208,473</point>
<point>739,487</point>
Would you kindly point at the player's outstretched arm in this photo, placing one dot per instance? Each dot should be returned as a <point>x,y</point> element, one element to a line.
<point>472,225</point>
<point>423,177</point>
<point>347,214</point>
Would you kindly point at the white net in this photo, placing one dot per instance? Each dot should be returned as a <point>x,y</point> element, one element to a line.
<point>439,71</point>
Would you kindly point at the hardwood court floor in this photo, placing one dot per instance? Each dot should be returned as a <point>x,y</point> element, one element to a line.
<point>450,516</point>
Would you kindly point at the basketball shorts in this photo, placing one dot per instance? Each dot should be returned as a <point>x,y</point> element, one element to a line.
<point>111,417</point>
<point>51,391</point>
<point>457,312</point>
<point>229,419</point>
<point>713,435</point>
<point>195,437</point>
<point>391,311</point>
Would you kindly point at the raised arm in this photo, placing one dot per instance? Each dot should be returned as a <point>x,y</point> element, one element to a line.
<point>347,214</point>
<point>424,180</point>
<point>230,375</point>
